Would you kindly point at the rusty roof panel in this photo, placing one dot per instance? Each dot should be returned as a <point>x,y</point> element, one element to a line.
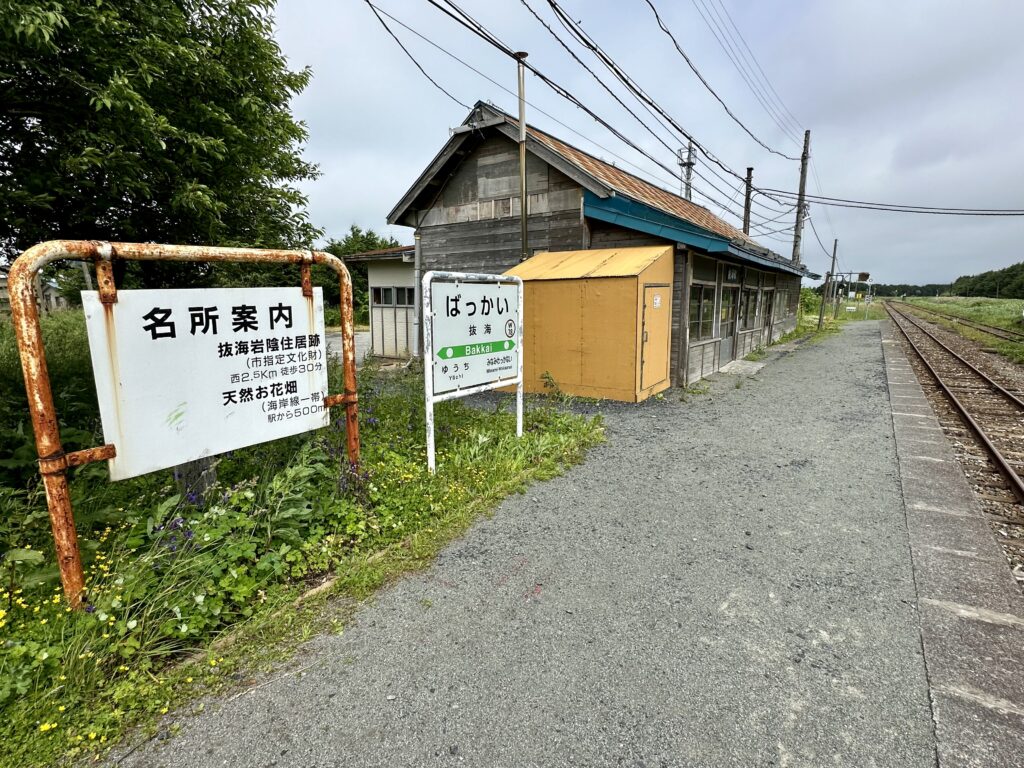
<point>638,189</point>
<point>597,262</point>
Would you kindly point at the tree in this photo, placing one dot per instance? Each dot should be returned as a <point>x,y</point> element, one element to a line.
<point>160,121</point>
<point>359,241</point>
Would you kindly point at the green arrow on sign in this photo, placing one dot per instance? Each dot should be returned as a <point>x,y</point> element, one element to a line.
<point>481,348</point>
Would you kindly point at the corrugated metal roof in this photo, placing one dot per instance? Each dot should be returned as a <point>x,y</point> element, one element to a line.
<point>599,262</point>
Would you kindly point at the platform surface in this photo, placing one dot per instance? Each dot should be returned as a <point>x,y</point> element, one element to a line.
<point>728,581</point>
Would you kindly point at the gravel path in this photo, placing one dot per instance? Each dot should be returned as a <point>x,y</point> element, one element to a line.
<point>725,582</point>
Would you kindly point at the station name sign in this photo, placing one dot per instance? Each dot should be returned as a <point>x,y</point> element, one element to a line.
<point>472,339</point>
<point>186,374</point>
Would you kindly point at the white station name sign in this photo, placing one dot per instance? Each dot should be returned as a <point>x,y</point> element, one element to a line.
<point>186,374</point>
<point>475,333</point>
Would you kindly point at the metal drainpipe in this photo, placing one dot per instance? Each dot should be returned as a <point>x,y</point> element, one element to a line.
<point>417,299</point>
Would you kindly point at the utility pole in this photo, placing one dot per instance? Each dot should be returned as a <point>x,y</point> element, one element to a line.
<point>88,276</point>
<point>828,285</point>
<point>800,198</point>
<point>687,168</point>
<point>523,213</point>
<point>746,202</point>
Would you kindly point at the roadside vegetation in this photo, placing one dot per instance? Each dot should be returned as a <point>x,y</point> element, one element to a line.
<point>187,596</point>
<point>807,319</point>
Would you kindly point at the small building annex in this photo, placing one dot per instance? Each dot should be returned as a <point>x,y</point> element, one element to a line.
<point>729,294</point>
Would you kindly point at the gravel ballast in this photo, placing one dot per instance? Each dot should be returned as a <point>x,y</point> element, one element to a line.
<point>725,582</point>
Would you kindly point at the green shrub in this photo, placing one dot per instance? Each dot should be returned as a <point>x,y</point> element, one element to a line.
<point>167,576</point>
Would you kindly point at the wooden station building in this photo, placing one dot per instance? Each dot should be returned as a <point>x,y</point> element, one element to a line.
<point>729,295</point>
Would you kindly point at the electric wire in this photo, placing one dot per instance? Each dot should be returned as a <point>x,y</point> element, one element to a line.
<point>478,29</point>
<point>661,181</point>
<point>725,43</point>
<point>790,118</point>
<point>413,60</point>
<point>467,21</point>
<point>707,85</point>
<point>841,202</point>
<point>574,28</point>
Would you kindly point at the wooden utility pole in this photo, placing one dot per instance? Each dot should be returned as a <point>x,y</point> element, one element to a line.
<point>825,288</point>
<point>523,206</point>
<point>688,174</point>
<point>746,202</point>
<point>800,198</point>
<point>829,280</point>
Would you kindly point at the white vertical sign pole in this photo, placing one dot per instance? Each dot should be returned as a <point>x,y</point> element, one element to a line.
<point>519,344</point>
<point>427,318</point>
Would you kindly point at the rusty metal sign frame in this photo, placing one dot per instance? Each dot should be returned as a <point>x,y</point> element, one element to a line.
<point>53,461</point>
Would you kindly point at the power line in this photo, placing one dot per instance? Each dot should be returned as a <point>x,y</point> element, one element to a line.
<point>412,59</point>
<point>513,93</point>
<point>584,39</point>
<point>593,74</point>
<point>564,93</point>
<point>790,118</point>
<point>467,21</point>
<point>478,29</point>
<point>720,37</point>
<point>509,91</point>
<point>707,85</point>
<point>841,202</point>
<point>816,237</point>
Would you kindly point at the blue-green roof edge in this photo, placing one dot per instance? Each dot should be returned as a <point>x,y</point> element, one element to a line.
<point>641,217</point>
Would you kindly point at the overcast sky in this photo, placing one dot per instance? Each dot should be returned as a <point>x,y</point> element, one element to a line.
<point>915,102</point>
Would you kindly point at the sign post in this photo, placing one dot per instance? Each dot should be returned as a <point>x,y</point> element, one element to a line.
<point>54,462</point>
<point>472,340</point>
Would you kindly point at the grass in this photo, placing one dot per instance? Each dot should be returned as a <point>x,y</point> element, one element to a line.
<point>190,598</point>
<point>1002,313</point>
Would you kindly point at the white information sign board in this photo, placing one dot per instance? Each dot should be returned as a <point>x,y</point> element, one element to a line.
<point>185,374</point>
<point>472,339</point>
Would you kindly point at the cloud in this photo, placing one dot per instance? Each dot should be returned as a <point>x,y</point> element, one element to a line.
<point>910,102</point>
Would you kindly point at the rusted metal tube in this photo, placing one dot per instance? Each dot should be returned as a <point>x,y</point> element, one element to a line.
<point>25,316</point>
<point>53,462</point>
<point>348,350</point>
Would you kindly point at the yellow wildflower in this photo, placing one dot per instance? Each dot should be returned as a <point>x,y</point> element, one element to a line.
<point>47,727</point>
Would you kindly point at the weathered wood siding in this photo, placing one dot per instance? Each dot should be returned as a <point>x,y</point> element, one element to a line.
<point>474,223</point>
<point>604,235</point>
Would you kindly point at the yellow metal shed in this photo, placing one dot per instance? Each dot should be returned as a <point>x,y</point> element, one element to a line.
<point>598,321</point>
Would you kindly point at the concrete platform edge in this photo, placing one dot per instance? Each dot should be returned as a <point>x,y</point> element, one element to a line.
<point>970,608</point>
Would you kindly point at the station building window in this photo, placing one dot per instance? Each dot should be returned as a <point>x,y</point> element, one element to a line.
<point>393,297</point>
<point>727,321</point>
<point>702,312</point>
<point>748,309</point>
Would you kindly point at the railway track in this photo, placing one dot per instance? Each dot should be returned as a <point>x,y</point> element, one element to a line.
<point>993,330</point>
<point>994,413</point>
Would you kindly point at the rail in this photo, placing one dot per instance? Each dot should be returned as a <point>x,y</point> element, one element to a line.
<point>1006,469</point>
